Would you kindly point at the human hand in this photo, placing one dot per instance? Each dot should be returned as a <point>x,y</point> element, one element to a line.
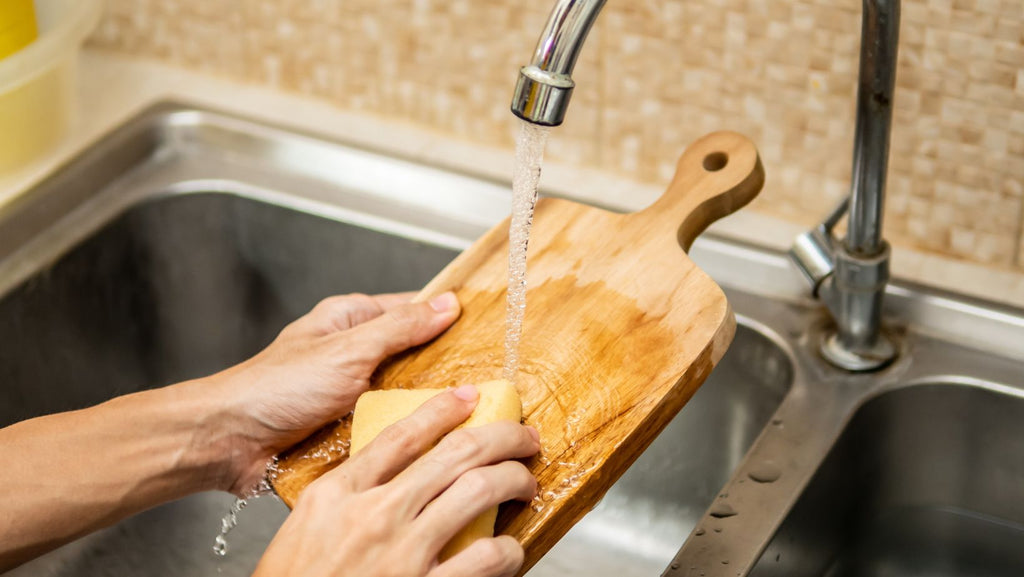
<point>391,508</point>
<point>313,373</point>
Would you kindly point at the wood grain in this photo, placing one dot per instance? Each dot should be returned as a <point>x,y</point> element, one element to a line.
<point>621,329</point>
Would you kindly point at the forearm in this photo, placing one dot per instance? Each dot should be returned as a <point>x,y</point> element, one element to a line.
<point>68,474</point>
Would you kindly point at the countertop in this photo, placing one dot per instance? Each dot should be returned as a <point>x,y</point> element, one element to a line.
<point>113,88</point>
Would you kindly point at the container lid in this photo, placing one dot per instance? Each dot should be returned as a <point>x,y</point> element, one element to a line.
<point>63,25</point>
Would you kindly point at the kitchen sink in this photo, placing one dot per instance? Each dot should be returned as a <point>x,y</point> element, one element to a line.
<point>925,481</point>
<point>182,242</point>
<point>180,286</point>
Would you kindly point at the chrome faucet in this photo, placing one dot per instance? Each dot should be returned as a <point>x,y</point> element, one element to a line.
<point>848,275</point>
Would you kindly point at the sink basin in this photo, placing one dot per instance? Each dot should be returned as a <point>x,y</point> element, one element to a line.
<point>182,242</point>
<point>180,287</point>
<point>175,288</point>
<point>638,526</point>
<point>189,256</point>
<point>925,481</point>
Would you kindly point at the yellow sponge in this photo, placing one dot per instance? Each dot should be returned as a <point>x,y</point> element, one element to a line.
<point>376,410</point>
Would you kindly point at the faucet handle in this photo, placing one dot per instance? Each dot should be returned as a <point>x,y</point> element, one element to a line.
<point>813,252</point>
<point>836,215</point>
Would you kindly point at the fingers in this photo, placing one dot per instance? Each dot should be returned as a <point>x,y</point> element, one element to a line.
<point>401,327</point>
<point>498,557</point>
<point>403,442</point>
<point>461,451</point>
<point>336,313</point>
<point>342,312</point>
<point>473,493</point>
<point>392,300</point>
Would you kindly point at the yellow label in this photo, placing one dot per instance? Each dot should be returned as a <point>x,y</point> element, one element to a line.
<point>17,25</point>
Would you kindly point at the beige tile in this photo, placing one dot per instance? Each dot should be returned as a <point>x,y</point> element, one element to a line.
<point>656,75</point>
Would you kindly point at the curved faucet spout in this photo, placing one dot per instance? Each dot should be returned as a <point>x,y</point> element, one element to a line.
<point>545,86</point>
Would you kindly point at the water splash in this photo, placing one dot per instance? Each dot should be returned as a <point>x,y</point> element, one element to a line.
<point>525,177</point>
<point>570,477</point>
<point>537,505</point>
<point>333,449</point>
<point>230,520</point>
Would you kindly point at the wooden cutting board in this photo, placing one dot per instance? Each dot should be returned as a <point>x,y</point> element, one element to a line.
<point>621,329</point>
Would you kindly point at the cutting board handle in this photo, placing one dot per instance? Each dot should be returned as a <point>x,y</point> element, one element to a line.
<point>716,176</point>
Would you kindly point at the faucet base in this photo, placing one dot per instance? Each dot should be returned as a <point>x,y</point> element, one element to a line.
<point>879,356</point>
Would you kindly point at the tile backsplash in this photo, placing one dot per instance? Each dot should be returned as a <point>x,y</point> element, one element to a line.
<point>655,75</point>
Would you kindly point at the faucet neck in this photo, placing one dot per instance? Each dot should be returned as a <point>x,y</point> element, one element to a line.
<point>876,85</point>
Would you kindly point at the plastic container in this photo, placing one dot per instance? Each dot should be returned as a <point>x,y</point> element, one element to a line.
<point>37,83</point>
<point>17,26</point>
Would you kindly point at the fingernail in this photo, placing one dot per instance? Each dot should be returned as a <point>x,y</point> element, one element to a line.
<point>467,393</point>
<point>445,302</point>
<point>534,433</point>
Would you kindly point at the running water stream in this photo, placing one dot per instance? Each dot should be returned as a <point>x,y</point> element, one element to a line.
<point>525,176</point>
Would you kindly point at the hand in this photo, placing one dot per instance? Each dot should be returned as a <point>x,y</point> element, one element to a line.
<point>313,373</point>
<point>110,461</point>
<point>389,511</point>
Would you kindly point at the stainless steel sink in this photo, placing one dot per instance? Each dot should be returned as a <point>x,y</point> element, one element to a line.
<point>183,241</point>
<point>924,481</point>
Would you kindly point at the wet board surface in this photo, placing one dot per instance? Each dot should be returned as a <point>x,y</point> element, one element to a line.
<point>621,329</point>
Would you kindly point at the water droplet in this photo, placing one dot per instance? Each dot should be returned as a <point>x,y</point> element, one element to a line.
<point>220,546</point>
<point>777,422</point>
<point>724,496</point>
<point>699,532</point>
<point>718,529</point>
<point>675,566</point>
<point>722,511</point>
<point>227,523</point>
<point>537,505</point>
<point>766,472</point>
<point>725,561</point>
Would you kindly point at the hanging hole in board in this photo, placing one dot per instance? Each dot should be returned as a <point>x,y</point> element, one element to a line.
<point>715,161</point>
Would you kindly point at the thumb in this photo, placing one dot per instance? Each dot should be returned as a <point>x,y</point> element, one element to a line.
<point>404,326</point>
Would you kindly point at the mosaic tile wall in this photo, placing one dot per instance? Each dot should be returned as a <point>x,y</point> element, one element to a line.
<point>655,75</point>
